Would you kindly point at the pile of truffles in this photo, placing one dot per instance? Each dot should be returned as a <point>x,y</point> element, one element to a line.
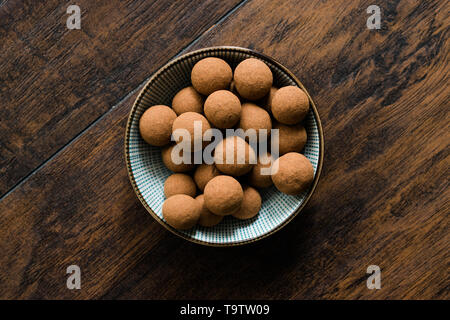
<point>203,194</point>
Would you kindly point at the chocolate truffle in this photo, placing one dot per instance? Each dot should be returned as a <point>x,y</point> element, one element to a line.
<point>207,218</point>
<point>266,101</point>
<point>211,74</point>
<point>179,183</point>
<point>256,178</point>
<point>223,195</point>
<point>290,105</point>
<point>166,154</point>
<point>186,121</point>
<point>204,173</point>
<point>253,79</point>
<point>291,138</point>
<point>181,211</point>
<point>187,100</point>
<point>223,109</point>
<point>155,125</point>
<point>251,204</point>
<point>254,117</point>
<point>294,175</point>
<point>234,156</point>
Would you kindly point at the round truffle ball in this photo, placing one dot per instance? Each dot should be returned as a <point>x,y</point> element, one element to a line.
<point>223,109</point>
<point>188,121</point>
<point>211,74</point>
<point>179,183</point>
<point>181,211</point>
<point>155,125</point>
<point>261,178</point>
<point>253,79</point>
<point>290,138</point>
<point>254,117</point>
<point>187,100</point>
<point>203,173</point>
<point>207,218</point>
<point>290,105</point>
<point>223,195</point>
<point>234,156</point>
<point>266,101</point>
<point>292,173</point>
<point>251,204</point>
<point>168,160</point>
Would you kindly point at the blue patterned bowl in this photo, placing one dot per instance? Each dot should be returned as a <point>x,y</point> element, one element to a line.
<point>147,172</point>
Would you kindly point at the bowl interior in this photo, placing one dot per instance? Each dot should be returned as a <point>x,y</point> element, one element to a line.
<point>148,173</point>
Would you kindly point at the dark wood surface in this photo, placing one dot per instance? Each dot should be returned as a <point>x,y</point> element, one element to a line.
<point>383,197</point>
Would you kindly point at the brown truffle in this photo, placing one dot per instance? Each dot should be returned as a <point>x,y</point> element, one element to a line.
<point>207,218</point>
<point>166,154</point>
<point>258,178</point>
<point>187,100</point>
<point>253,79</point>
<point>179,183</point>
<point>181,211</point>
<point>211,74</point>
<point>223,195</point>
<point>223,109</point>
<point>290,105</point>
<point>266,101</point>
<point>292,173</point>
<point>187,121</point>
<point>254,117</point>
<point>251,204</point>
<point>204,173</point>
<point>234,156</point>
<point>291,138</point>
<point>155,125</point>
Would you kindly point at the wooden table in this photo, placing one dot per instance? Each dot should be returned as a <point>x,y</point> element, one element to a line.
<point>383,198</point>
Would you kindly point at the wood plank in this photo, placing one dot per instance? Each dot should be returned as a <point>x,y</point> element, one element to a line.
<point>382,199</point>
<point>54,81</point>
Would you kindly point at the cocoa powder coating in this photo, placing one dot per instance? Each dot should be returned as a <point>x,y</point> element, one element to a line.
<point>179,183</point>
<point>290,105</point>
<point>211,74</point>
<point>253,79</point>
<point>251,204</point>
<point>223,109</point>
<point>294,175</point>
<point>155,125</point>
<point>223,195</point>
<point>207,218</point>
<point>181,211</point>
<point>187,100</point>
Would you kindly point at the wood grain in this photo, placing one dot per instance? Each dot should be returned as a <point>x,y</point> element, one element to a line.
<point>54,82</point>
<point>383,197</point>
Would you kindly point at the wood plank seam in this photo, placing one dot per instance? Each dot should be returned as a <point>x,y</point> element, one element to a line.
<point>139,87</point>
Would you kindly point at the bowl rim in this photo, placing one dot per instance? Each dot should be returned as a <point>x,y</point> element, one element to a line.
<point>194,53</point>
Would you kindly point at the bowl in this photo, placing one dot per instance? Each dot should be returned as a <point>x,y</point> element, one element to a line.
<point>147,172</point>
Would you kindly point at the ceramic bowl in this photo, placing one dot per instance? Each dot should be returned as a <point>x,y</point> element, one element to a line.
<point>147,172</point>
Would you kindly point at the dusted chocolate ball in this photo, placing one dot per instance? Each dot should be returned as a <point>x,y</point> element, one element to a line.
<point>181,211</point>
<point>207,218</point>
<point>234,156</point>
<point>204,173</point>
<point>291,138</point>
<point>266,101</point>
<point>254,117</point>
<point>179,183</point>
<point>223,195</point>
<point>251,204</point>
<point>258,178</point>
<point>223,109</point>
<point>155,125</point>
<point>290,105</point>
<point>187,100</point>
<point>253,79</point>
<point>292,173</point>
<point>211,74</point>
<point>168,161</point>
<point>187,121</point>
